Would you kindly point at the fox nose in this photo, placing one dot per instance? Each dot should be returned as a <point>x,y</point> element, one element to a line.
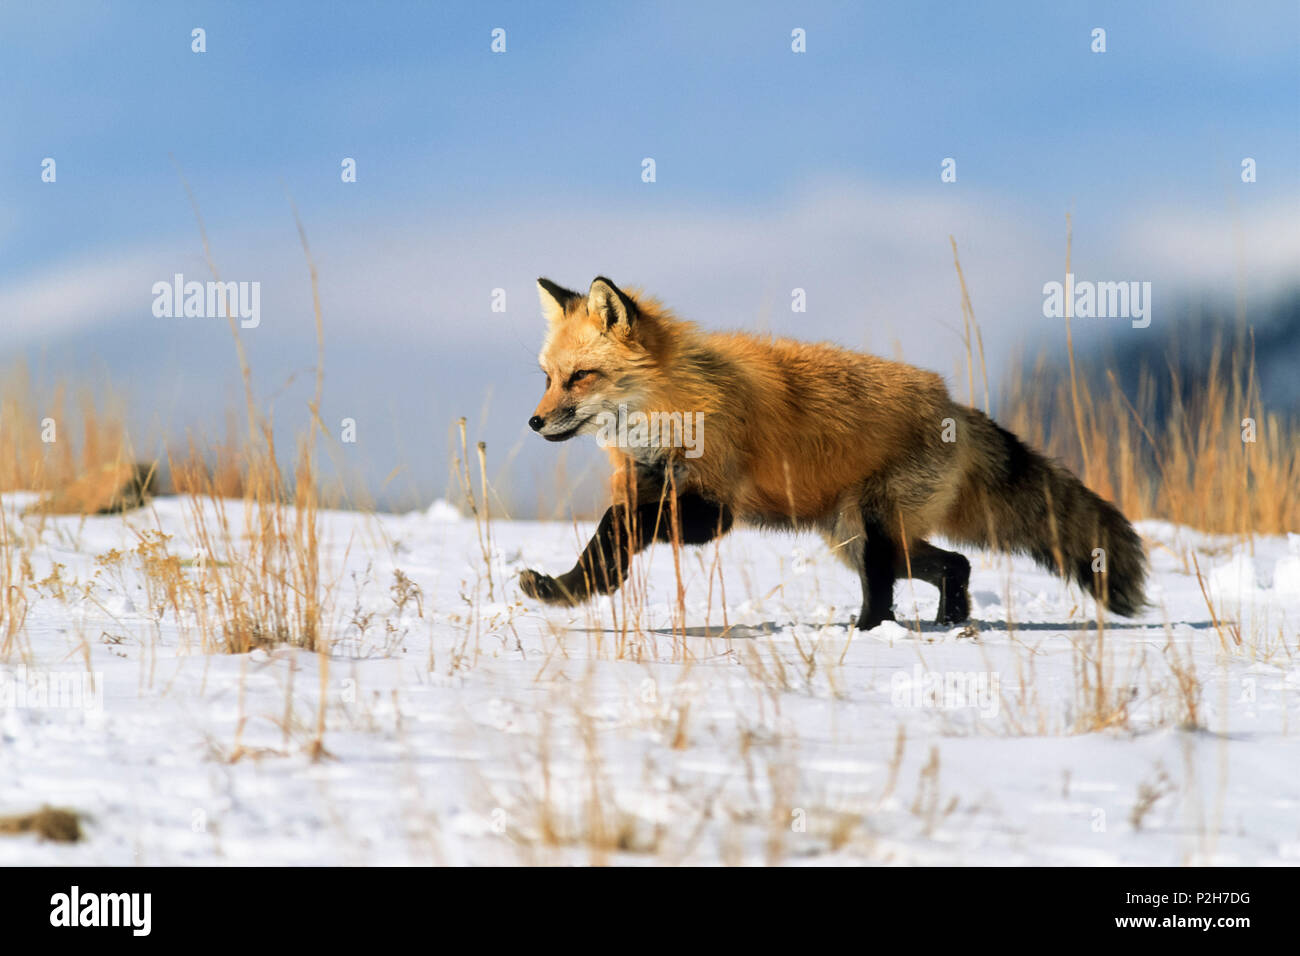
<point>536,423</point>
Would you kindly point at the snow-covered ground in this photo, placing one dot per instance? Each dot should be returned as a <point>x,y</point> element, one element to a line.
<point>475,727</point>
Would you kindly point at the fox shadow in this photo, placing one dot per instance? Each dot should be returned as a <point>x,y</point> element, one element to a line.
<point>743,632</point>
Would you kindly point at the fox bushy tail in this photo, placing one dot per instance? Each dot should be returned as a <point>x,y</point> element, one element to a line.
<point>1016,500</point>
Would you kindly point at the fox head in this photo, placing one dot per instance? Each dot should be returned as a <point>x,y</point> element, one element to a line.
<point>592,358</point>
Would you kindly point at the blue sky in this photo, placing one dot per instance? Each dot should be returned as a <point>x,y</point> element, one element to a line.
<point>479,170</point>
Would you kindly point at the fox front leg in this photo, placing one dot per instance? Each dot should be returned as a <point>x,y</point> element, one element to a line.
<point>602,566</point>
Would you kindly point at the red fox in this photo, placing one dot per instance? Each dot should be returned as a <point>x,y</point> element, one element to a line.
<point>872,454</point>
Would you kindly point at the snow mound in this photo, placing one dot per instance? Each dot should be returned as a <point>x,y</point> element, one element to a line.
<point>1235,577</point>
<point>1286,574</point>
<point>443,511</point>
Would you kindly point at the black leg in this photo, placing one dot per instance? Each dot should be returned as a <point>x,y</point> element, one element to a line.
<point>877,572</point>
<point>946,570</point>
<point>602,566</point>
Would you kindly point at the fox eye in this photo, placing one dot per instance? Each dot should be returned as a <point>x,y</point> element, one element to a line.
<point>579,375</point>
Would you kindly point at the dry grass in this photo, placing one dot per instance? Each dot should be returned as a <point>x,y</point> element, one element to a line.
<point>1193,468</point>
<point>1216,459</point>
<point>16,580</point>
<point>48,441</point>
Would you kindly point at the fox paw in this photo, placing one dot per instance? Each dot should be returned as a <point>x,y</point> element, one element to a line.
<point>543,587</point>
<point>866,620</point>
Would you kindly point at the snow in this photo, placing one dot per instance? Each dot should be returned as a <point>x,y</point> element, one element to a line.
<point>442,511</point>
<point>474,727</point>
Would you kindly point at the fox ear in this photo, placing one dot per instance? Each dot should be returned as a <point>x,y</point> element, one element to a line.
<point>610,303</point>
<point>555,299</point>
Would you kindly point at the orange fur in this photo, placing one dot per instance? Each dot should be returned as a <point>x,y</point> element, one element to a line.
<point>789,427</point>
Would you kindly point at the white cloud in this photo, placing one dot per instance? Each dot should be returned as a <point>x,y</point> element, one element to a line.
<point>1259,246</point>
<point>77,294</point>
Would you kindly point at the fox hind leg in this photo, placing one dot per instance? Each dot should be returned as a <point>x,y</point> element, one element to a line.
<point>946,570</point>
